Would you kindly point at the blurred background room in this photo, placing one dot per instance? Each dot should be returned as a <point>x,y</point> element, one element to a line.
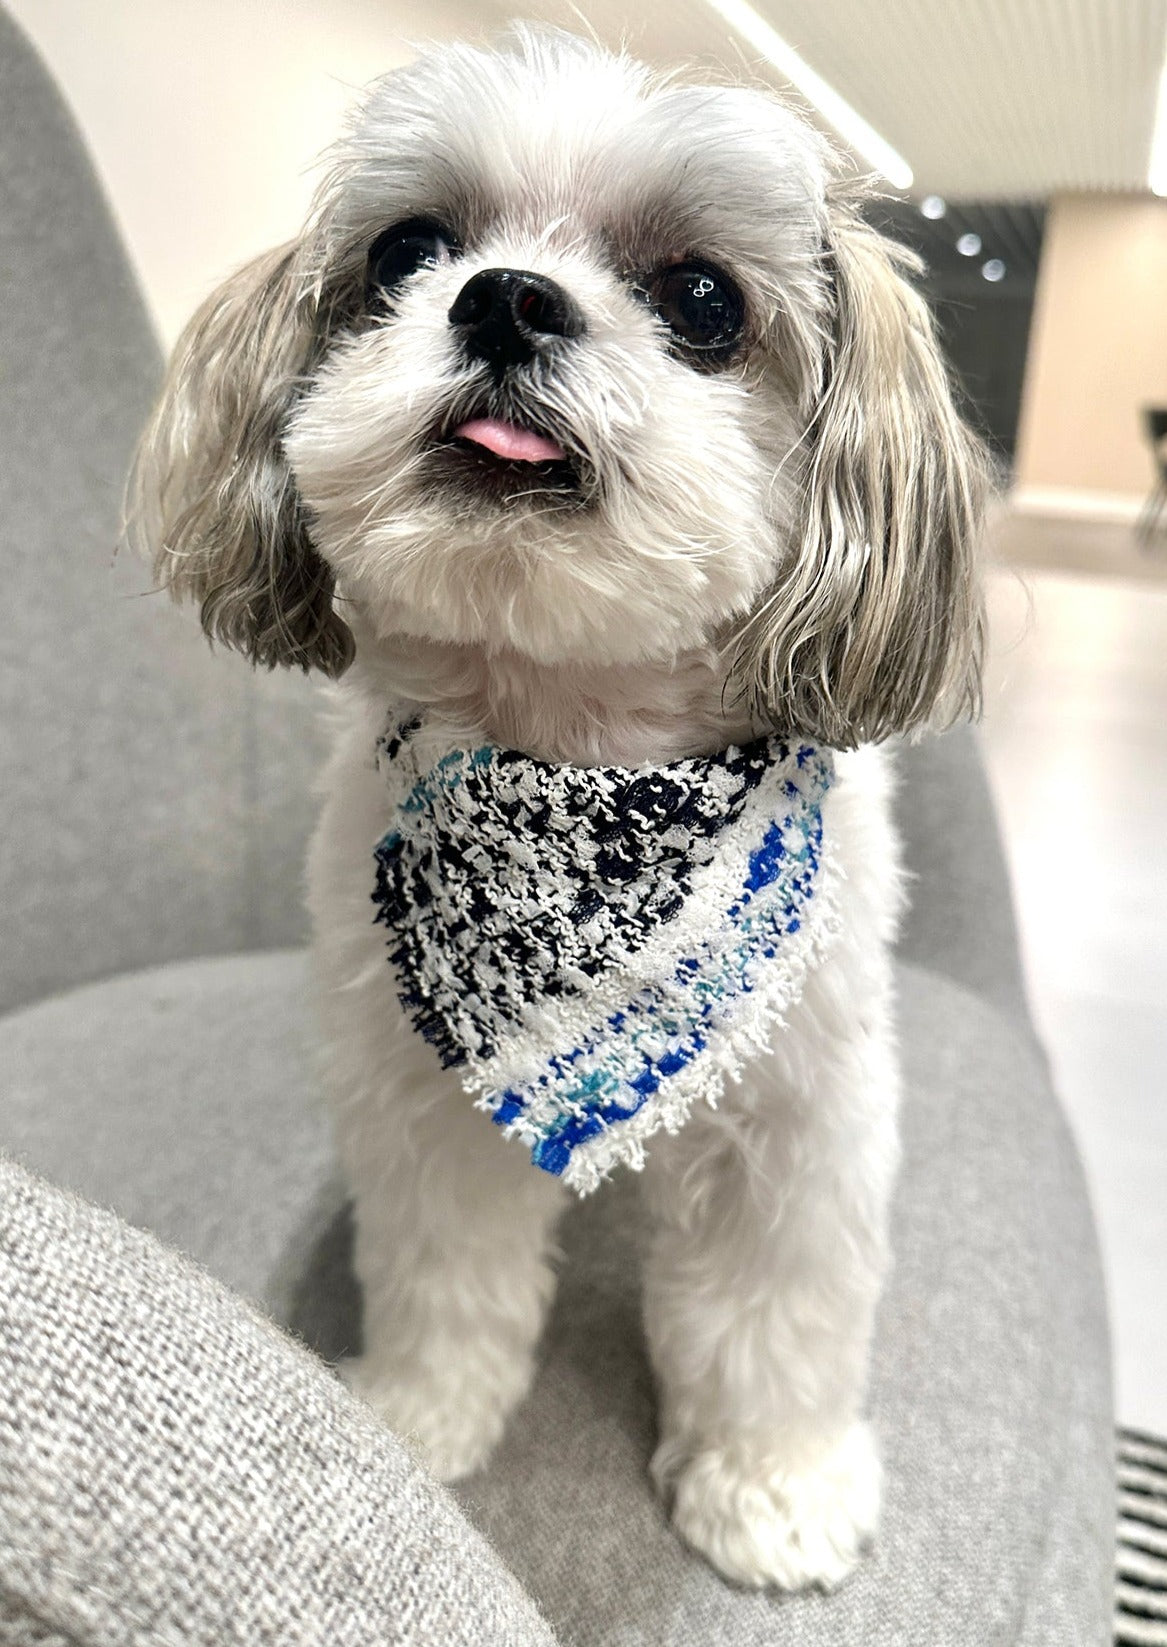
<point>1022,149</point>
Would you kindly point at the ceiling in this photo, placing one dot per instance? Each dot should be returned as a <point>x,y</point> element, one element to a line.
<point>985,99</point>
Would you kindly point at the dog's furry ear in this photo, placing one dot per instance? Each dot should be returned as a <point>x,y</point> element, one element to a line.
<point>875,625</point>
<point>212,499</point>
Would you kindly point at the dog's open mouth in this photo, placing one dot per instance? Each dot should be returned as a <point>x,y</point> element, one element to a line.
<point>509,460</point>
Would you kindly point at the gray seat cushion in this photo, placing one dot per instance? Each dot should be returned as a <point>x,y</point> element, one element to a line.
<point>181,1096</point>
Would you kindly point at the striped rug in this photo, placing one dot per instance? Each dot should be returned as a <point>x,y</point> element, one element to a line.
<point>1140,1594</point>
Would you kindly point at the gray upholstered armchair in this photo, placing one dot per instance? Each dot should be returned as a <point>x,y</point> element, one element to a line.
<point>173,1466</point>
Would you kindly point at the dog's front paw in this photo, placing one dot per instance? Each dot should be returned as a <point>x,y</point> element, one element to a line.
<point>451,1426</point>
<point>761,1523</point>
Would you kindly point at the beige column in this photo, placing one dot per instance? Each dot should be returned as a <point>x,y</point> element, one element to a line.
<point>1097,351</point>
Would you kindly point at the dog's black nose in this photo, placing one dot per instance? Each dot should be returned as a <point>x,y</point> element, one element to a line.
<point>506,315</point>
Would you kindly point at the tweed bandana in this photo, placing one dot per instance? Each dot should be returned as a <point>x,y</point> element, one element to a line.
<point>595,948</point>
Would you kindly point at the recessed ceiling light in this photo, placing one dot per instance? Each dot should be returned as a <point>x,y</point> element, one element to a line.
<point>933,206</point>
<point>969,245</point>
<point>849,124</point>
<point>994,269</point>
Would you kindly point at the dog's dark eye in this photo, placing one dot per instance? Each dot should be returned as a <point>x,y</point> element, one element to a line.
<point>401,251</point>
<point>700,305</point>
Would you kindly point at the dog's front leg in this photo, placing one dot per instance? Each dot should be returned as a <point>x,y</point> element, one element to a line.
<point>765,1264</point>
<point>454,1226</point>
<point>453,1252</point>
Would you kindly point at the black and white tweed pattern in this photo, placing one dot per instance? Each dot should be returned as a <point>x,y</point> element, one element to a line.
<point>1140,1595</point>
<point>624,845</point>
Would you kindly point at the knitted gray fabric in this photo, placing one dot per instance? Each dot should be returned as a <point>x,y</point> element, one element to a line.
<point>175,1472</point>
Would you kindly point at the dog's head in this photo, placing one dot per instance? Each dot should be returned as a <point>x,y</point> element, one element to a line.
<point>590,365</point>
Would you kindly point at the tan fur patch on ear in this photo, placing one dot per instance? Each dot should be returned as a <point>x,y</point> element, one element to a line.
<point>212,499</point>
<point>875,625</point>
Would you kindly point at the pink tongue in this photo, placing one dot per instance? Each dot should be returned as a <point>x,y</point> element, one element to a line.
<point>507,440</point>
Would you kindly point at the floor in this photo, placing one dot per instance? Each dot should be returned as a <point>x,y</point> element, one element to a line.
<point>1076,739</point>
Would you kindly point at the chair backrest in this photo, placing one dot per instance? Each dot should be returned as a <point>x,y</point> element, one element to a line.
<point>154,799</point>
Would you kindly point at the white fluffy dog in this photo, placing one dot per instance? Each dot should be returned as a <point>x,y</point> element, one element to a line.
<point>587,419</point>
